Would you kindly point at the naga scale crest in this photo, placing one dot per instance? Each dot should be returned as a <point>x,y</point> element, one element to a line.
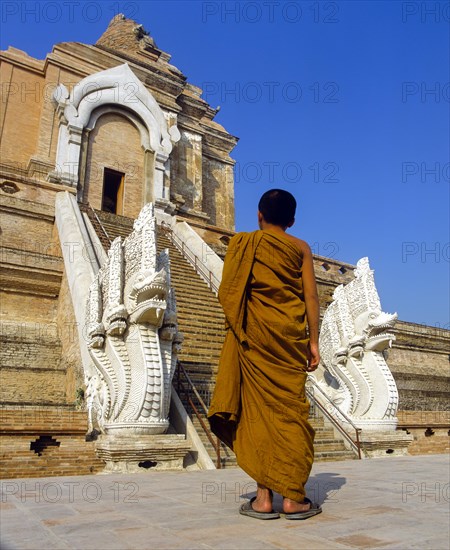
<point>132,335</point>
<point>354,335</point>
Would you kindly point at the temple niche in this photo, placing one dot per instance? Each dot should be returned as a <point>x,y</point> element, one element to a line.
<point>114,173</point>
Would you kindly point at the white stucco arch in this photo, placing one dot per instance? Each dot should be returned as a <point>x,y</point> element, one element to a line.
<point>113,90</point>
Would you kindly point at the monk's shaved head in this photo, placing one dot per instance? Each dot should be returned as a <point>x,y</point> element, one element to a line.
<point>277,207</point>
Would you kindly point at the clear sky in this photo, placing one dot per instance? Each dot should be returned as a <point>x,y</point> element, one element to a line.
<point>344,103</point>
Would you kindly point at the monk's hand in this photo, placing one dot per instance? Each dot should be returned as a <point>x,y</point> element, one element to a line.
<point>313,357</point>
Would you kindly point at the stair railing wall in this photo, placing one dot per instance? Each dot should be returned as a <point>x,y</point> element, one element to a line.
<point>354,443</point>
<point>181,371</point>
<point>206,274</point>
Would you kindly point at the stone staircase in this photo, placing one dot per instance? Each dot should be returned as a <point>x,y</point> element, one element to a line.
<point>201,320</point>
<point>326,446</point>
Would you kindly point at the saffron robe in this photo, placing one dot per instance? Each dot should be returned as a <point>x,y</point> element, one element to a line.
<point>259,407</point>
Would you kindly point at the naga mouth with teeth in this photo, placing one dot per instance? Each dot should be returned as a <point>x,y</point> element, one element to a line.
<point>379,332</point>
<point>168,329</point>
<point>356,346</point>
<point>340,356</point>
<point>148,296</point>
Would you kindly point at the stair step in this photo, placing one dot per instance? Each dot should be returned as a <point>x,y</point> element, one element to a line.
<point>334,455</point>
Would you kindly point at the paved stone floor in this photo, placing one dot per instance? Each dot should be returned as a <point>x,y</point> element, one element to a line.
<point>395,502</point>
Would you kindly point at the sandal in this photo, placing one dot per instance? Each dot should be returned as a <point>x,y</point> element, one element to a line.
<point>247,510</point>
<point>314,509</point>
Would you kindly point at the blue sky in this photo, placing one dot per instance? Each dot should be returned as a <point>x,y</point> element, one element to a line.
<point>345,104</point>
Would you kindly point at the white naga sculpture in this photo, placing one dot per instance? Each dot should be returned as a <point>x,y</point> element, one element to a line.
<point>132,336</point>
<point>353,373</point>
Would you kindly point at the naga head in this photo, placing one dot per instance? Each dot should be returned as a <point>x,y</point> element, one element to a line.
<point>168,330</point>
<point>116,319</point>
<point>378,330</point>
<point>96,335</point>
<point>371,324</point>
<point>146,296</point>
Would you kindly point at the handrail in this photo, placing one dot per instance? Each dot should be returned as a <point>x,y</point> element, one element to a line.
<point>356,445</point>
<point>86,207</point>
<point>207,275</point>
<point>97,219</point>
<point>191,386</point>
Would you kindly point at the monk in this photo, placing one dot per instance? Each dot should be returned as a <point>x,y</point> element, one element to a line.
<point>259,407</point>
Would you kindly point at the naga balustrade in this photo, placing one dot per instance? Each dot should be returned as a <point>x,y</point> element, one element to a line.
<point>355,444</point>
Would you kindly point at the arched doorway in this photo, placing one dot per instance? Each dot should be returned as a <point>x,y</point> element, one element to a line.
<point>114,177</point>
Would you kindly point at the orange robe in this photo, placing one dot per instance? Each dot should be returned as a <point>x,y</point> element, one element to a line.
<point>259,407</point>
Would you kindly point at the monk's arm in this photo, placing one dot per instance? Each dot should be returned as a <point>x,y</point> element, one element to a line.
<point>311,303</point>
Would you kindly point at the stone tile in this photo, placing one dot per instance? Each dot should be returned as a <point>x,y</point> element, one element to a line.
<point>247,543</point>
<point>54,512</point>
<point>6,506</point>
<point>296,539</point>
<point>435,543</point>
<point>361,541</point>
<point>364,505</point>
<point>92,539</point>
<point>28,535</point>
<point>137,539</point>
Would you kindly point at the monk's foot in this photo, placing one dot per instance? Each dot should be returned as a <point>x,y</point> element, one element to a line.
<point>291,506</point>
<point>260,505</point>
<point>263,501</point>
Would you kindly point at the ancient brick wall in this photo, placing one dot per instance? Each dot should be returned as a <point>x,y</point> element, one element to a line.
<point>31,370</point>
<point>44,441</point>
<point>22,99</point>
<point>31,273</point>
<point>186,172</point>
<point>70,355</point>
<point>430,429</point>
<point>419,361</point>
<point>218,198</point>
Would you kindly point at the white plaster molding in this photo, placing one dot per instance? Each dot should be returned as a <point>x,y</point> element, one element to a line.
<point>199,247</point>
<point>80,262</point>
<point>99,250</point>
<point>354,373</point>
<point>191,137</point>
<point>116,87</point>
<point>132,335</point>
<point>183,424</point>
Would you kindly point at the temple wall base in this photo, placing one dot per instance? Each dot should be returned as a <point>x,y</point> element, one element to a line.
<point>138,454</point>
<point>385,444</point>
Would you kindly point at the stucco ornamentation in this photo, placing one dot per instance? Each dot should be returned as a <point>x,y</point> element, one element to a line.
<point>114,89</point>
<point>132,335</point>
<point>354,335</point>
